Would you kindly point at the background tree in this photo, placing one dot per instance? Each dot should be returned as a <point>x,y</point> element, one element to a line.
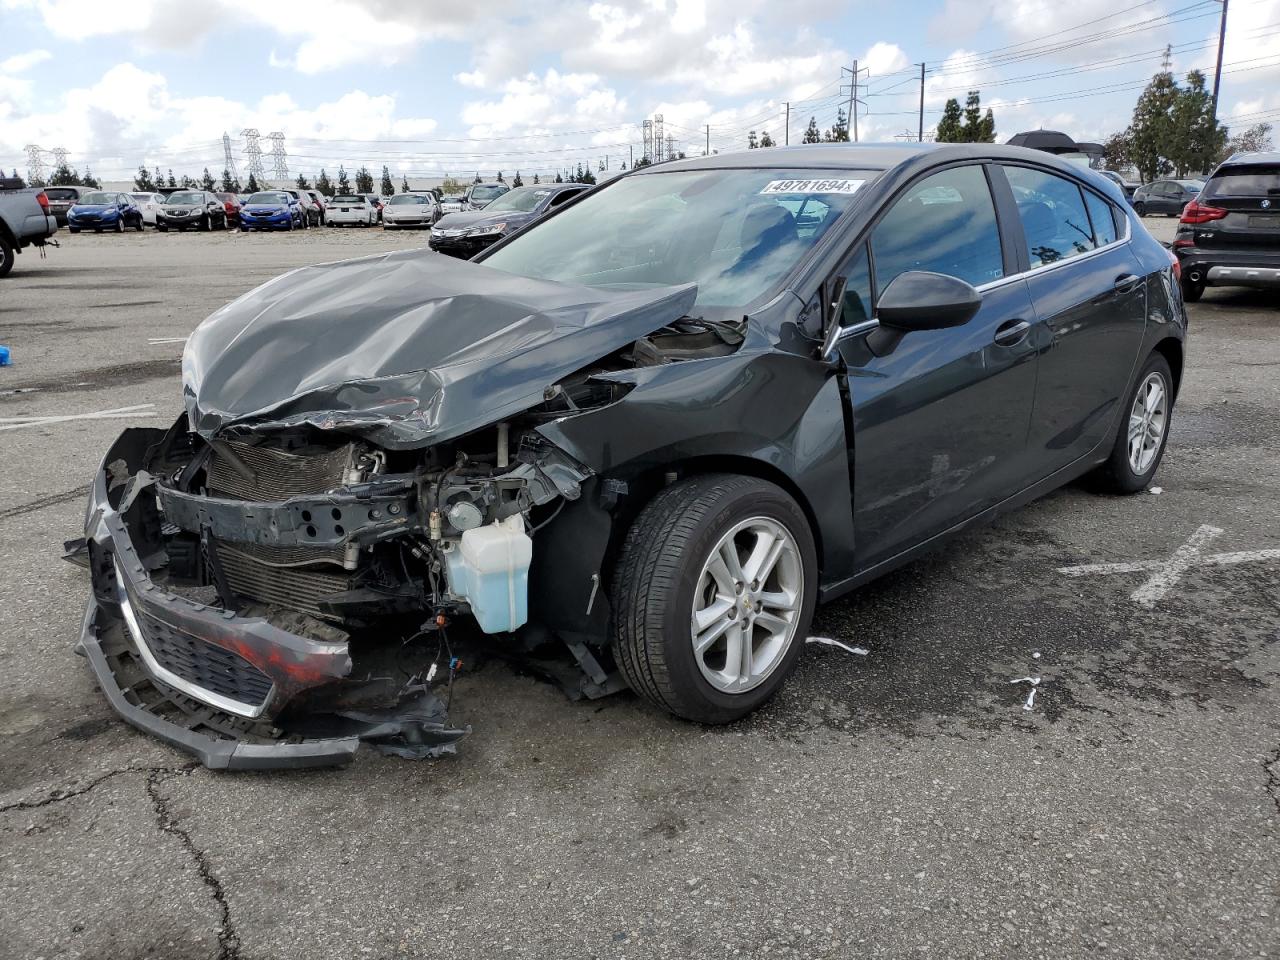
<point>189,183</point>
<point>950,128</point>
<point>90,180</point>
<point>752,142</point>
<point>517,182</point>
<point>450,186</point>
<point>230,184</point>
<point>1197,138</point>
<point>977,128</point>
<point>157,179</point>
<point>386,186</point>
<point>535,178</point>
<point>301,183</point>
<point>811,132</point>
<point>477,179</point>
<point>324,184</point>
<point>1255,139</point>
<point>64,176</point>
<point>344,185</point>
<point>1151,129</point>
<point>364,180</point>
<point>1117,152</point>
<point>765,140</point>
<point>252,185</point>
<point>143,181</point>
<point>839,131</point>
<point>559,179</point>
<point>500,179</point>
<point>172,184</point>
<point>207,182</point>
<point>1172,130</point>
<point>404,184</point>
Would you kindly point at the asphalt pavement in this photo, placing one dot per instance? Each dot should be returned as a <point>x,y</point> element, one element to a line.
<point>912,801</point>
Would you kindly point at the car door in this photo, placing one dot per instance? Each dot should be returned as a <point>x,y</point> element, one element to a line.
<point>1089,297</point>
<point>940,421</point>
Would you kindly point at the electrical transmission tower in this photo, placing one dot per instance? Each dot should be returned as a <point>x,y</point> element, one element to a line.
<point>59,157</point>
<point>35,162</point>
<point>253,150</point>
<point>671,147</point>
<point>657,136</point>
<point>230,160</point>
<point>647,129</point>
<point>279,159</point>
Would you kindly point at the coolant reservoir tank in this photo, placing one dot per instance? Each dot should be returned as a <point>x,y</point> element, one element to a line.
<point>490,570</point>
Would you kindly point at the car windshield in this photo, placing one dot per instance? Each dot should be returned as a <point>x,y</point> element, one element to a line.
<point>347,199</point>
<point>272,198</point>
<point>185,198</point>
<point>402,199</point>
<point>89,198</point>
<point>735,233</point>
<point>519,200</point>
<point>487,191</point>
<point>1245,182</point>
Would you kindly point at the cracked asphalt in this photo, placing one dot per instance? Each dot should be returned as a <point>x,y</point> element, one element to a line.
<point>901,803</point>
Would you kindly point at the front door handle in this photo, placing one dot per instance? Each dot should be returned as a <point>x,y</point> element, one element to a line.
<point>1012,332</point>
<point>1126,282</point>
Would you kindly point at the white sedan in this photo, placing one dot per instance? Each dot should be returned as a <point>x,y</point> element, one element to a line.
<point>351,209</point>
<point>149,203</point>
<point>410,210</point>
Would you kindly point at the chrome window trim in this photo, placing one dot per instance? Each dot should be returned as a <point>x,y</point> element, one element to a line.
<point>234,707</point>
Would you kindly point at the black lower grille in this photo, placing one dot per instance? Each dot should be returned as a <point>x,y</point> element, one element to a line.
<point>206,665</point>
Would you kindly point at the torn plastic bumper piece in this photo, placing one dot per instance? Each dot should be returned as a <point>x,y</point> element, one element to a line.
<point>214,683</point>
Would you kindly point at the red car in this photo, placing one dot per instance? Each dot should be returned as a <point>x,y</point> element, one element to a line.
<point>232,203</point>
<point>319,199</point>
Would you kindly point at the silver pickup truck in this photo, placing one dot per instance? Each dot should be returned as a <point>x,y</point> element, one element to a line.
<point>24,221</point>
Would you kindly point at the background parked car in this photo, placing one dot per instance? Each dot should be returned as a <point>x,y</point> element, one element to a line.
<point>480,194</point>
<point>149,204</point>
<point>62,199</point>
<point>195,209</point>
<point>321,204</point>
<point>376,201</point>
<point>25,220</point>
<point>100,210</point>
<point>310,212</point>
<point>467,233</point>
<point>1165,196</point>
<point>450,204</point>
<point>1127,187</point>
<point>352,209</point>
<point>1230,234</point>
<point>410,210</point>
<point>271,210</point>
<point>231,203</point>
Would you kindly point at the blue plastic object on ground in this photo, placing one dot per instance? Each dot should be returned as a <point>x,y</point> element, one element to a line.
<point>4,357</point>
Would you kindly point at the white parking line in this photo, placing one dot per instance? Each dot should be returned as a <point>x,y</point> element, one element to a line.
<point>138,410</point>
<point>1165,574</point>
<point>158,340</point>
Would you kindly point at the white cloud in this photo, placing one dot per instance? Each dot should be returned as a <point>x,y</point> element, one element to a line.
<point>21,62</point>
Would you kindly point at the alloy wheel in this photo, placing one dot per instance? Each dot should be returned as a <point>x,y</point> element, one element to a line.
<point>1147,421</point>
<point>747,605</point>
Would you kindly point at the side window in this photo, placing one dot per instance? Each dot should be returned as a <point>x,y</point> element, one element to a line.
<point>564,196</point>
<point>945,223</point>
<point>1104,224</point>
<point>1052,213</point>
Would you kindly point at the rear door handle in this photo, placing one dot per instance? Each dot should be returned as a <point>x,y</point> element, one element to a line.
<point>1011,332</point>
<point>1126,282</point>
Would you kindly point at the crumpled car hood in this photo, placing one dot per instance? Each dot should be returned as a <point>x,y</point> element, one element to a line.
<point>405,349</point>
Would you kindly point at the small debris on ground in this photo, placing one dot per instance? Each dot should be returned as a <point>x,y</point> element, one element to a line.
<point>828,642</point>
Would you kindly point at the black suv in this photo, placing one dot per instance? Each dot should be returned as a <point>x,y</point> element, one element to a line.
<point>1230,235</point>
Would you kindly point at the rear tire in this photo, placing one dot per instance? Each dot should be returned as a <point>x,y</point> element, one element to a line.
<point>140,225</point>
<point>1191,291</point>
<point>661,582</point>
<point>6,256</point>
<point>1136,457</point>
<point>119,227</point>
<point>1140,208</point>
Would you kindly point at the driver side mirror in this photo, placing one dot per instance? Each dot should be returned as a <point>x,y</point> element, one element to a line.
<point>919,300</point>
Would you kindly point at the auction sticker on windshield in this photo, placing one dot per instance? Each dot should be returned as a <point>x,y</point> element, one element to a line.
<point>812,186</point>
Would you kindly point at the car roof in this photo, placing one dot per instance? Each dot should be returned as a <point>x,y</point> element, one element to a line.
<point>1251,159</point>
<point>858,156</point>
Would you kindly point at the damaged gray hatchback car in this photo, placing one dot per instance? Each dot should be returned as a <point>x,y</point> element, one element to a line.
<point>655,428</point>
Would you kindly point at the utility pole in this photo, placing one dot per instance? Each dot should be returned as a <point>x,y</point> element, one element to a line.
<point>708,153</point>
<point>1217,71</point>
<point>632,152</point>
<point>920,135</point>
<point>853,101</point>
<point>786,138</point>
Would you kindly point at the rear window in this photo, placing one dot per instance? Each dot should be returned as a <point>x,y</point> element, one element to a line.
<point>1245,182</point>
<point>61,193</point>
<point>347,199</point>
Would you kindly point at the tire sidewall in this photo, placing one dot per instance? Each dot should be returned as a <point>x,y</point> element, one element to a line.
<point>7,256</point>
<point>697,697</point>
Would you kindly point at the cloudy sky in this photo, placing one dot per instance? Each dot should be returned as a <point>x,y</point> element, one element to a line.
<point>430,88</point>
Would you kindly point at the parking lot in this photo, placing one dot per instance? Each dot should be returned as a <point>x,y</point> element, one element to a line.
<point>914,800</point>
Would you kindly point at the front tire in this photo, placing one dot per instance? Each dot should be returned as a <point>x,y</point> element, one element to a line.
<point>713,595</point>
<point>1140,208</point>
<point>1144,431</point>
